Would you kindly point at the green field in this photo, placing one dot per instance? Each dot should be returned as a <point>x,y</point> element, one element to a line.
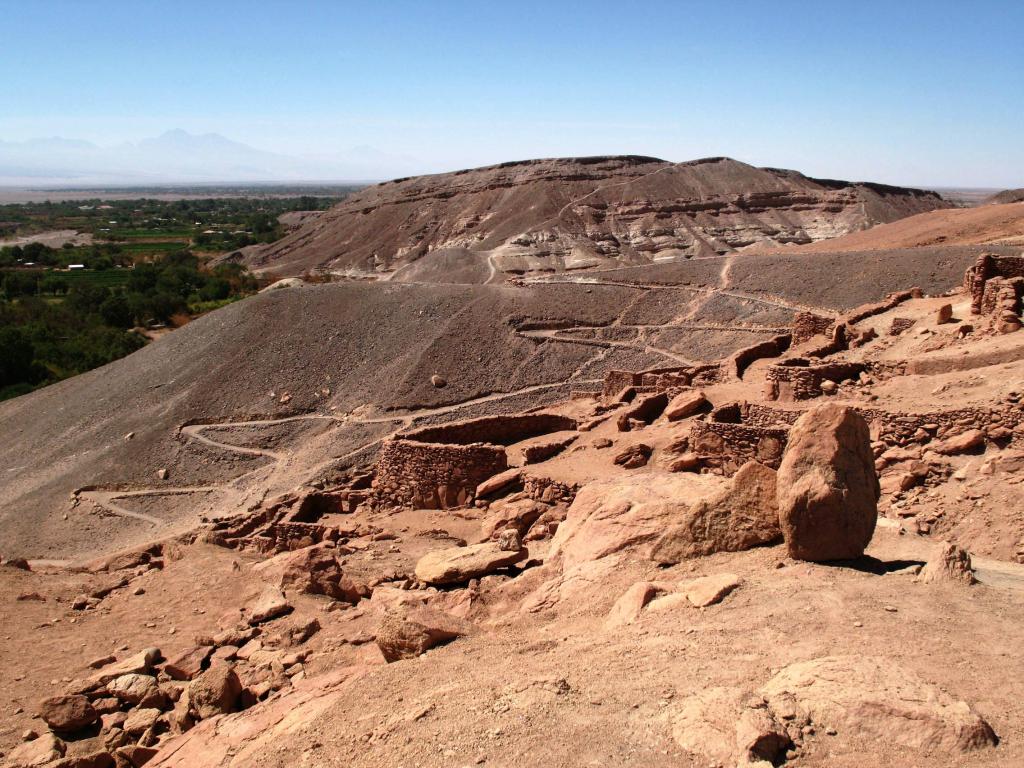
<point>108,278</point>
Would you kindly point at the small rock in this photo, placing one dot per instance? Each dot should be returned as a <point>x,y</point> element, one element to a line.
<point>438,382</point>
<point>709,589</point>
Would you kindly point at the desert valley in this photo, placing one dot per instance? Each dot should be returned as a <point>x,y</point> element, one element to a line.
<point>585,461</point>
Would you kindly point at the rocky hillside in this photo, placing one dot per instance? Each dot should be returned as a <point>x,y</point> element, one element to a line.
<point>1007,196</point>
<point>579,212</point>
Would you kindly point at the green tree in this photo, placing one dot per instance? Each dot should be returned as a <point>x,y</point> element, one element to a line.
<point>16,356</point>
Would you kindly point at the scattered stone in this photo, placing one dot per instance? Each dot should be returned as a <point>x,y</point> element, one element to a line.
<point>102,661</point>
<point>520,515</point>
<point>827,489</point>
<point>510,541</point>
<point>743,514</point>
<point>951,563</point>
<point>642,412</point>
<point>316,571</point>
<point>31,597</point>
<point>162,474</point>
<point>136,755</point>
<point>688,462</point>
<point>438,382</point>
<point>944,314</point>
<point>460,564</point>
<point>634,456</point>
<point>16,562</point>
<point>602,442</point>
<point>66,714</point>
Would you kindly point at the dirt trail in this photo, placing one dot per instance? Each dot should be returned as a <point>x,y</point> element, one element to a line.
<point>107,500</point>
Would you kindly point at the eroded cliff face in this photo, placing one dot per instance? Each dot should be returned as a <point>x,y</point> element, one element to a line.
<point>577,212</point>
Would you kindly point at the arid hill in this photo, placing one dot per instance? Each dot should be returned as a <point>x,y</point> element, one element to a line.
<point>1006,196</point>
<point>578,212</point>
<point>996,225</point>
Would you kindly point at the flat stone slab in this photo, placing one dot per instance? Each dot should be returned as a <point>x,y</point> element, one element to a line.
<point>460,564</point>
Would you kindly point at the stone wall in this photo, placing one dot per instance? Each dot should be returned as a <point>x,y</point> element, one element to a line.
<point>725,447</point>
<point>989,266</point>
<point>799,379</point>
<point>670,380</point>
<point>498,430</point>
<point>901,428</point>
<point>899,325</point>
<point>889,302</point>
<point>421,475</point>
<point>761,432</point>
<point>740,360</point>
<point>807,325</point>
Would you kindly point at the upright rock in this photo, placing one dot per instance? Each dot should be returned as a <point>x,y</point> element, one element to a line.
<point>951,563</point>
<point>827,487</point>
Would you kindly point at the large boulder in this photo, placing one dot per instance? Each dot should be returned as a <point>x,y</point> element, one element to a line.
<point>214,692</point>
<point>971,440</point>
<point>686,403</point>
<point>880,700</point>
<point>857,699</point>
<point>608,521</point>
<point>519,514</point>
<point>316,571</point>
<point>416,632</point>
<point>827,487</point>
<point>741,515</point>
<point>66,714</point>
<point>460,564</point>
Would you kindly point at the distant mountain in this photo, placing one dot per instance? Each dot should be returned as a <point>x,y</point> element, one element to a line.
<point>571,213</point>
<point>179,156</point>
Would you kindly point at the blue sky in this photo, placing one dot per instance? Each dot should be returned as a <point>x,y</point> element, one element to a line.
<point>899,91</point>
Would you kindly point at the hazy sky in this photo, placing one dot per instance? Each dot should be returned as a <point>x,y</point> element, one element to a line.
<point>927,92</point>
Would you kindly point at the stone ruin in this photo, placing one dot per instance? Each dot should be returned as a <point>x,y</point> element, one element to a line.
<point>996,287</point>
<point>439,467</point>
<point>798,378</point>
